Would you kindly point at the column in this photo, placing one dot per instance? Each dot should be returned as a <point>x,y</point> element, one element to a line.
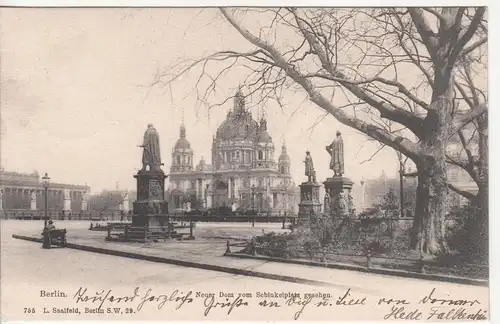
<point>33,200</point>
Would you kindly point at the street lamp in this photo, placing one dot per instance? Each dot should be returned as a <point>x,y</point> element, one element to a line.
<point>401,175</point>
<point>253,205</point>
<point>45,183</point>
<point>206,197</point>
<point>253,198</point>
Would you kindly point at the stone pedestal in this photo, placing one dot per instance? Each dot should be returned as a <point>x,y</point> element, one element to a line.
<point>209,199</point>
<point>126,206</point>
<point>67,204</point>
<point>340,199</point>
<point>85,198</point>
<point>33,201</point>
<point>310,205</point>
<point>150,209</point>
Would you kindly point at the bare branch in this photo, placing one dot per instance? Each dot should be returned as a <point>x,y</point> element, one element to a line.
<point>465,194</point>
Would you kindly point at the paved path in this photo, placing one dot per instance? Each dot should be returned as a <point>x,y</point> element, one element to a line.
<point>210,251</point>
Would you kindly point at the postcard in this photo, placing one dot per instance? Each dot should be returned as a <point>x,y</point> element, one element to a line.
<point>244,164</point>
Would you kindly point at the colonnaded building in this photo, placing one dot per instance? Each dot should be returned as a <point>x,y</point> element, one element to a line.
<point>24,191</point>
<point>243,174</point>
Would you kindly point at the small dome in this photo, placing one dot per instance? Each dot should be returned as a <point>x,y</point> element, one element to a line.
<point>182,142</point>
<point>284,155</point>
<point>264,138</point>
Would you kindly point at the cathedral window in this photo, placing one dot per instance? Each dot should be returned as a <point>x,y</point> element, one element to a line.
<point>178,160</point>
<point>238,156</point>
<point>282,170</point>
<point>260,155</point>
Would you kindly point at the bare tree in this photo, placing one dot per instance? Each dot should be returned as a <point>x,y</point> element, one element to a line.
<point>384,72</point>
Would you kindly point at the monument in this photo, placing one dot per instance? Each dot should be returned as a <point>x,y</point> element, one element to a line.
<point>338,187</point>
<point>150,218</point>
<point>310,205</point>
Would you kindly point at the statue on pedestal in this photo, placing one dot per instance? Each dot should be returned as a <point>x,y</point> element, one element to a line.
<point>151,153</point>
<point>309,172</point>
<point>33,196</point>
<point>336,151</point>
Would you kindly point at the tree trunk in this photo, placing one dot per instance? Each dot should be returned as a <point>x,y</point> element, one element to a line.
<point>480,234</point>
<point>429,227</point>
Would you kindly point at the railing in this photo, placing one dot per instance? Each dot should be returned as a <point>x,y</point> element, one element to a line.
<point>367,258</point>
<point>63,215</point>
<point>127,232</point>
<point>119,216</point>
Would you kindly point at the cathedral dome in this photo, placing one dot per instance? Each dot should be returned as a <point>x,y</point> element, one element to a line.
<point>237,126</point>
<point>182,142</point>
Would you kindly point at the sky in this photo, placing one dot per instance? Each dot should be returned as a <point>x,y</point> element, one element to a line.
<point>75,96</point>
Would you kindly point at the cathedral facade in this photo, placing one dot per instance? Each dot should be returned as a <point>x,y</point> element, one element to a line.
<point>243,173</point>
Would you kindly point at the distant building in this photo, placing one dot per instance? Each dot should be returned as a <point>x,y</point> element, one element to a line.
<point>25,191</point>
<point>243,156</point>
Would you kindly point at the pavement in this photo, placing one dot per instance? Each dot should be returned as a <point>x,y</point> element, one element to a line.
<point>208,249</point>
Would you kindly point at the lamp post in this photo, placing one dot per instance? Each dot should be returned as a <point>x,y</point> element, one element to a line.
<point>206,197</point>
<point>45,182</point>
<point>362,194</point>
<point>253,205</point>
<point>401,175</point>
<point>253,198</point>
<point>286,203</point>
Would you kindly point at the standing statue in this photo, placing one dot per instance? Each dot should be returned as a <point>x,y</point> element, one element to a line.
<point>309,167</point>
<point>33,196</point>
<point>341,203</point>
<point>350,203</point>
<point>85,196</point>
<point>336,151</point>
<point>151,145</point>
<point>327,201</point>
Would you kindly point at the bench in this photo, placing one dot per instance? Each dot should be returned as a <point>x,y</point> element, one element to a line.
<point>55,237</point>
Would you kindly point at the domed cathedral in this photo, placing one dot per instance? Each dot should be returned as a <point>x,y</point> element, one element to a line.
<point>243,174</point>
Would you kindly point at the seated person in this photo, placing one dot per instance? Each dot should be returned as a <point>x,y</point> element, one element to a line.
<point>50,226</point>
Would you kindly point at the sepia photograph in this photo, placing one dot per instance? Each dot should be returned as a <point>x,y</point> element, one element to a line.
<point>244,163</point>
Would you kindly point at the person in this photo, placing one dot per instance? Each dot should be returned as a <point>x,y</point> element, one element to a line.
<point>46,236</point>
<point>50,226</point>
